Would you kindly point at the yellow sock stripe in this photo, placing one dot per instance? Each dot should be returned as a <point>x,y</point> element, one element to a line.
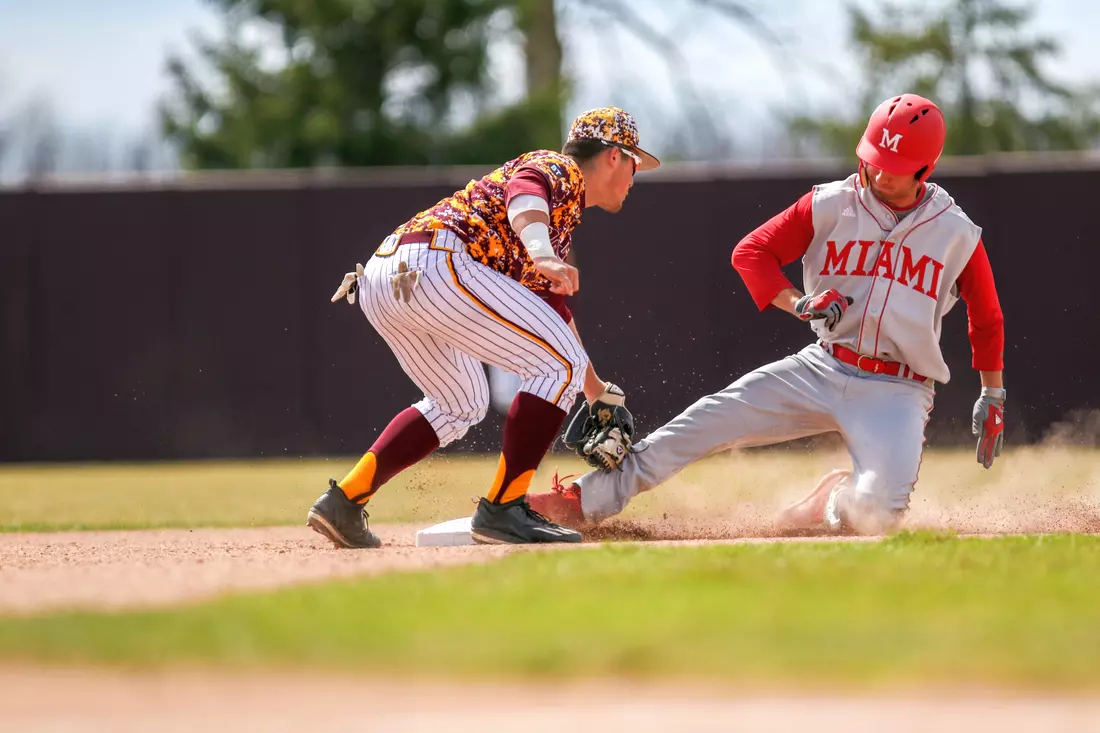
<point>498,481</point>
<point>357,484</point>
<point>517,487</point>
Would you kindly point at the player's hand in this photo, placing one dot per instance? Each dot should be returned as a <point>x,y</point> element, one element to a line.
<point>612,394</point>
<point>829,305</point>
<point>404,282</point>
<point>349,286</point>
<point>565,279</point>
<point>989,424</point>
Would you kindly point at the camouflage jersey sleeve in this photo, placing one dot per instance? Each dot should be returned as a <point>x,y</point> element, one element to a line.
<point>566,204</point>
<point>478,214</point>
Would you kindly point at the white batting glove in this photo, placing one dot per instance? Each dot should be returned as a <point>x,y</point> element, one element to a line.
<point>612,394</point>
<point>349,286</point>
<point>404,282</point>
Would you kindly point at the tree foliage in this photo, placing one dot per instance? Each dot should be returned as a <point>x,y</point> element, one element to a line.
<point>394,82</point>
<point>978,62</point>
<point>354,82</point>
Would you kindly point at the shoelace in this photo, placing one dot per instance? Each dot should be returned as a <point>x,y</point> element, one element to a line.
<point>535,515</point>
<point>559,487</point>
<point>559,484</point>
<point>526,507</point>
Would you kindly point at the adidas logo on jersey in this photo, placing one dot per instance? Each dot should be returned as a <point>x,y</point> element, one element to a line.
<point>848,211</point>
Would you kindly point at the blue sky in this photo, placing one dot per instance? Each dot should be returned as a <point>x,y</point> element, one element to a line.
<point>101,64</point>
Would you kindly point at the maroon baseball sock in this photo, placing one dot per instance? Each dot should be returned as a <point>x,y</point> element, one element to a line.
<point>529,431</point>
<point>408,439</point>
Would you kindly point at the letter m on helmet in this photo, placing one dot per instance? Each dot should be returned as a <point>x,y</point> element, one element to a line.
<point>889,141</point>
<point>916,119</point>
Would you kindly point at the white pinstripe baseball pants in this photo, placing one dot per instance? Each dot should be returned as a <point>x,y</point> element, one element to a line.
<point>463,313</point>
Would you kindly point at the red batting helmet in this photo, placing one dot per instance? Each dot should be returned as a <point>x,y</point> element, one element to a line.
<point>904,135</point>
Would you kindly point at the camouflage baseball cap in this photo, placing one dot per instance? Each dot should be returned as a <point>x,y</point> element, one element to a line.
<point>615,127</point>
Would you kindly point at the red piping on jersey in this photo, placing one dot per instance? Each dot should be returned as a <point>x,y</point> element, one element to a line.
<point>874,278</point>
<point>761,254</point>
<point>893,273</point>
<point>916,202</point>
<point>872,214</point>
<point>863,318</point>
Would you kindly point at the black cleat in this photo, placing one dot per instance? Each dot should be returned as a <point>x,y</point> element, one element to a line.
<point>341,520</point>
<point>515,523</point>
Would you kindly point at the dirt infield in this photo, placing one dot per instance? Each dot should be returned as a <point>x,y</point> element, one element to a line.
<point>42,572</point>
<point>109,570</point>
<point>126,569</point>
<point>730,498</point>
<point>113,570</point>
<point>245,703</point>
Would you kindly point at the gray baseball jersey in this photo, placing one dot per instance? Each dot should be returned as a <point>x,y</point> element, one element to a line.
<point>900,272</point>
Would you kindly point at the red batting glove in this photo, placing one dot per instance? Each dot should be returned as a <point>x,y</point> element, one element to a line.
<point>989,424</point>
<point>829,305</point>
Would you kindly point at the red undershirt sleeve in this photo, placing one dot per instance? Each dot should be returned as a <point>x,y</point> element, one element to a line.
<point>983,311</point>
<point>781,240</point>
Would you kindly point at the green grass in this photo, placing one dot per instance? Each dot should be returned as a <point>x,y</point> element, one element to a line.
<point>219,493</point>
<point>914,609</point>
<point>279,491</point>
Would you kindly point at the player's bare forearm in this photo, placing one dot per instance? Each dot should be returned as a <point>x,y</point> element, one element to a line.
<point>593,385</point>
<point>993,378</point>
<point>786,300</point>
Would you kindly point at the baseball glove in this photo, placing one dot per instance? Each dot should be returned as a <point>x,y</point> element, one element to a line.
<point>602,433</point>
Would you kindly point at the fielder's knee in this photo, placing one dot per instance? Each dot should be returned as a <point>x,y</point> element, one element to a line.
<point>451,424</point>
<point>578,367</point>
<point>569,369</point>
<point>560,380</point>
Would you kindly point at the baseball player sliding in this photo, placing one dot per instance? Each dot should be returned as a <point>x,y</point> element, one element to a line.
<point>885,255</point>
<point>481,277</point>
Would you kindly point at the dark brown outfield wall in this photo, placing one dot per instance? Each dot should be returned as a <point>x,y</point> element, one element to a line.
<point>192,319</point>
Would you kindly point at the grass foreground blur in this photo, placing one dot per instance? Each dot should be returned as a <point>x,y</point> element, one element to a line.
<point>918,608</point>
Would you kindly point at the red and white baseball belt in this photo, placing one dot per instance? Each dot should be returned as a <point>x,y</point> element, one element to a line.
<point>871,364</point>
